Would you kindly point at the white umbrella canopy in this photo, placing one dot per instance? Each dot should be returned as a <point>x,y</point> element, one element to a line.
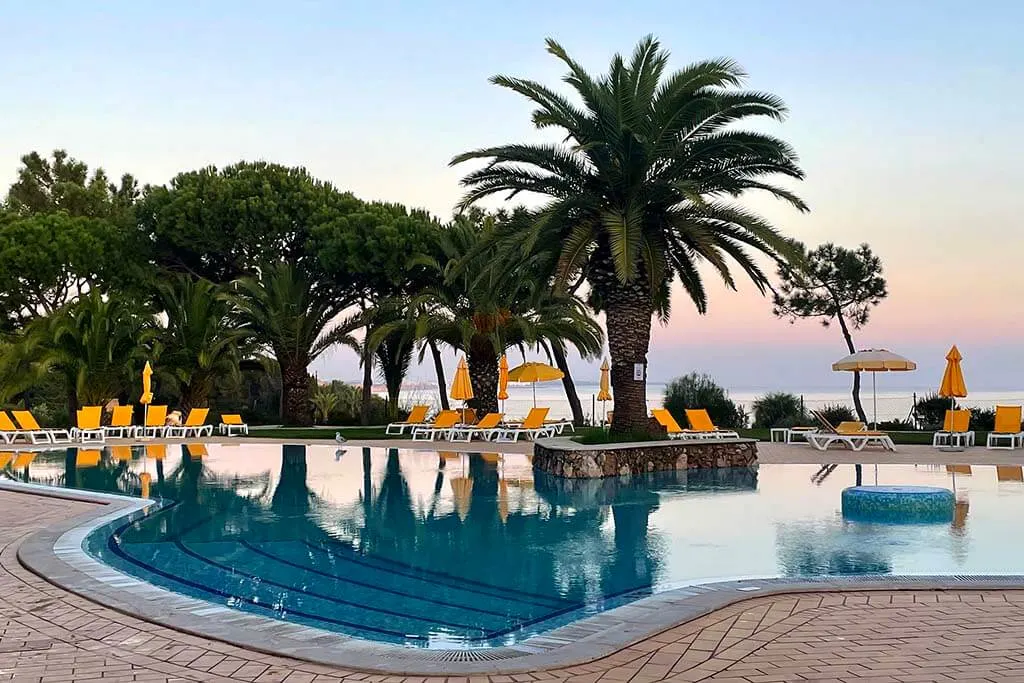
<point>874,360</point>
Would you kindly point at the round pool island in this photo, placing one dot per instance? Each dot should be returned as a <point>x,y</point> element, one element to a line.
<point>898,504</point>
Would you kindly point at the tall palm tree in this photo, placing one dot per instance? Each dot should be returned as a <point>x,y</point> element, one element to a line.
<point>201,340</point>
<point>97,343</point>
<point>638,191</point>
<point>489,300</point>
<point>293,315</point>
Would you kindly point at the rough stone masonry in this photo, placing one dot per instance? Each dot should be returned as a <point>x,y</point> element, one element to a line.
<point>565,458</point>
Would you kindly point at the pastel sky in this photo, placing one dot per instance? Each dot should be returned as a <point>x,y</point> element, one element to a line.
<point>907,116</point>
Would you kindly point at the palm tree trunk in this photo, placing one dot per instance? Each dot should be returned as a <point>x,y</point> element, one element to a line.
<point>570,387</point>
<point>861,415</point>
<point>364,408</point>
<point>483,375</point>
<point>442,385</point>
<point>628,314</point>
<point>297,411</point>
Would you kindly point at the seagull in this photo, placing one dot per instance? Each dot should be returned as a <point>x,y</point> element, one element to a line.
<point>338,438</point>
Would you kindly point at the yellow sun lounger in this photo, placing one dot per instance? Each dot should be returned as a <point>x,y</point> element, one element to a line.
<point>195,425</point>
<point>232,422</point>
<point>533,427</point>
<point>442,426</point>
<point>955,430</point>
<point>87,425</point>
<point>417,418</point>
<point>36,434</point>
<point>485,428</point>
<point>701,427</point>
<point>156,417</point>
<point>1007,428</point>
<point>121,423</point>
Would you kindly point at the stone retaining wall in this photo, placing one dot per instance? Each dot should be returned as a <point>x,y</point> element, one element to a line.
<point>566,458</point>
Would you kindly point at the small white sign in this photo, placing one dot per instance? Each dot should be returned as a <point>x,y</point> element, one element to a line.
<point>638,372</point>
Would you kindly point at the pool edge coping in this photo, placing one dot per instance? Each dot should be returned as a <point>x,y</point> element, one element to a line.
<point>55,554</point>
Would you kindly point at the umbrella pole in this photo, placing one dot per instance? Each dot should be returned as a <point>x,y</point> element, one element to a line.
<point>874,400</point>
<point>534,394</point>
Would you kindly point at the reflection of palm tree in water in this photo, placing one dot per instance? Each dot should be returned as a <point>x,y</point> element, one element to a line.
<point>292,496</point>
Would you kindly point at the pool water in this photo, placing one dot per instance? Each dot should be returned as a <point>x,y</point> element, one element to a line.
<point>447,550</point>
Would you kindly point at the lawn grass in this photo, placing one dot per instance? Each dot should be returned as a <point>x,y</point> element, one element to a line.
<point>326,433</point>
<point>899,438</point>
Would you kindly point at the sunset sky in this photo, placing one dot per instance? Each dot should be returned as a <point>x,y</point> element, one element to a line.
<point>907,117</point>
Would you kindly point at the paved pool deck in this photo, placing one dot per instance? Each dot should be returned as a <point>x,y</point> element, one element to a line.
<point>841,634</point>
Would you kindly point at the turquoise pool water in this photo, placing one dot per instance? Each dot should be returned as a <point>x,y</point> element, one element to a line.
<point>442,550</point>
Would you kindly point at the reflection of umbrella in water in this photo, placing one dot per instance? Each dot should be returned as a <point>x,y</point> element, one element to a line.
<point>503,500</point>
<point>462,489</point>
<point>960,509</point>
<point>196,451</point>
<point>5,458</point>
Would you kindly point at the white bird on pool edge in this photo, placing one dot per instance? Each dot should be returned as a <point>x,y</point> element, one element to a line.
<point>338,438</point>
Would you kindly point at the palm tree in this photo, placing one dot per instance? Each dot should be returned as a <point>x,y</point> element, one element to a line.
<point>98,345</point>
<point>638,191</point>
<point>201,341</point>
<point>292,315</point>
<point>489,301</point>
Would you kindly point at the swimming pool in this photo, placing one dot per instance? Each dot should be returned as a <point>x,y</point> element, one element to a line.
<point>448,550</point>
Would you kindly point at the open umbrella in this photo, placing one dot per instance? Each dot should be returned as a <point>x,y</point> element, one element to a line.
<point>531,373</point>
<point>605,393</point>
<point>874,360</point>
<point>503,381</point>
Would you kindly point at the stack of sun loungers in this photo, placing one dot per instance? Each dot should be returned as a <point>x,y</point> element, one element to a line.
<point>455,425</point>
<point>701,426</point>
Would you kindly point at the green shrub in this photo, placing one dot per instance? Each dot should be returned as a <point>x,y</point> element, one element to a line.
<point>779,409</point>
<point>930,411</point>
<point>983,419</point>
<point>837,412</point>
<point>697,390</point>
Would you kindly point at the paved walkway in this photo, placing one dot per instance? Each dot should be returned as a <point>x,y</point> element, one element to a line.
<point>48,635</point>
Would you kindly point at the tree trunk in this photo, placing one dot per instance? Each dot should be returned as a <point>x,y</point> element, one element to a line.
<point>628,311</point>
<point>483,375</point>
<point>570,387</point>
<point>364,407</point>
<point>856,375</point>
<point>297,411</point>
<point>442,385</point>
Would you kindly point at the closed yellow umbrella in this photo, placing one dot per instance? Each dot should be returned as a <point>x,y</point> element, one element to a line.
<point>147,385</point>
<point>531,373</point>
<point>953,385</point>
<point>503,379</point>
<point>606,393</point>
<point>462,388</point>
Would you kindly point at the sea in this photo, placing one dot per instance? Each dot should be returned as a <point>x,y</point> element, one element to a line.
<point>891,404</point>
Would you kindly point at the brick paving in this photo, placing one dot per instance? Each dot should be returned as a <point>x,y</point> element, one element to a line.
<point>49,635</point>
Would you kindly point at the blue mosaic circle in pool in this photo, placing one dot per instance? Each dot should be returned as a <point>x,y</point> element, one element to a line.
<point>898,504</point>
